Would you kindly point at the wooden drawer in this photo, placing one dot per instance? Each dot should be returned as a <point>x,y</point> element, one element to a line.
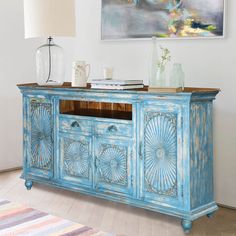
<point>113,129</point>
<point>75,125</point>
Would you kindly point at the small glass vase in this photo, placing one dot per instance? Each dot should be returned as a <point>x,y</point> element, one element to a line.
<point>177,76</point>
<point>161,77</point>
<point>153,64</point>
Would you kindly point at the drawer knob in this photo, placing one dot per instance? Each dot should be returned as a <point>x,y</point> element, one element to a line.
<point>112,129</point>
<point>75,124</point>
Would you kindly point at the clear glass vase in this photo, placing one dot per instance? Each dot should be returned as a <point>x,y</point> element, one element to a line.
<point>177,76</point>
<point>50,64</point>
<point>161,77</point>
<point>153,64</point>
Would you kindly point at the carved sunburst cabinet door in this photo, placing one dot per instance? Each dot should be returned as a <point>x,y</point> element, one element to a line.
<point>41,137</point>
<point>160,163</point>
<point>161,153</point>
<point>113,165</point>
<point>76,159</point>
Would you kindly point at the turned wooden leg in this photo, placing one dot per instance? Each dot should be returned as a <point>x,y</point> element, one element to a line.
<point>187,225</point>
<point>28,184</point>
<point>210,215</point>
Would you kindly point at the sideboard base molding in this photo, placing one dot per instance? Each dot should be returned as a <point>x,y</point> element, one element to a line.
<point>191,216</point>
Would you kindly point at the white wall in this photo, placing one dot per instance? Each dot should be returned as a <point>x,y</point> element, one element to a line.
<point>207,63</point>
<point>16,66</point>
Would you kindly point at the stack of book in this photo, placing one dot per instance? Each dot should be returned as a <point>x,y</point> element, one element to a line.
<point>116,84</point>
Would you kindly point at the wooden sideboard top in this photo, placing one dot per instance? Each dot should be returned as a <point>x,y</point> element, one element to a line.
<point>67,85</point>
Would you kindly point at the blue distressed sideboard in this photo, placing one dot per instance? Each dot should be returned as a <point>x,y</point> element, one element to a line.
<point>144,148</point>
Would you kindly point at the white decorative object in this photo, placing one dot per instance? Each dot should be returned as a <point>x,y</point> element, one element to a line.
<point>108,73</point>
<point>44,18</point>
<point>49,18</point>
<point>80,74</point>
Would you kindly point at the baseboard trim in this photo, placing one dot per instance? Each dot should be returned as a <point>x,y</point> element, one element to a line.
<point>226,206</point>
<point>11,169</point>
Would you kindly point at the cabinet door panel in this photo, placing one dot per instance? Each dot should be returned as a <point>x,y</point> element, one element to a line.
<point>113,166</point>
<point>40,138</point>
<point>75,159</point>
<point>162,151</point>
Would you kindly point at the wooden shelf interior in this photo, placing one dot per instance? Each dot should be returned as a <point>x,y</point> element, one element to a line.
<point>96,109</point>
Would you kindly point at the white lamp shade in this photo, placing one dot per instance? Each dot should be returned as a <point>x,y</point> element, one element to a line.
<point>44,18</point>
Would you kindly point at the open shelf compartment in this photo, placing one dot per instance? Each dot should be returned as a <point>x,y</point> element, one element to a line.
<point>121,111</point>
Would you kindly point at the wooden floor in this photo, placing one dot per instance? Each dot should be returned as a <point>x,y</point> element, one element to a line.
<point>109,216</point>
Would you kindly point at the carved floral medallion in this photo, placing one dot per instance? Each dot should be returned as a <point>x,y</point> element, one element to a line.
<point>76,158</point>
<point>160,147</point>
<point>41,136</point>
<point>112,164</point>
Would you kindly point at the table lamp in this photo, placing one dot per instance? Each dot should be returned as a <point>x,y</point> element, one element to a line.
<point>49,18</point>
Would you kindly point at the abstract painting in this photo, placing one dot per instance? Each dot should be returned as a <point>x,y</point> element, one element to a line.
<point>123,19</point>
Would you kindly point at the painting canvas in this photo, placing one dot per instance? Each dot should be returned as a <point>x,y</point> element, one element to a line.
<point>162,18</point>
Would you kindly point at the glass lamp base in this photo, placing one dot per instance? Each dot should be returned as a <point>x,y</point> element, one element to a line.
<point>50,64</point>
<point>52,83</point>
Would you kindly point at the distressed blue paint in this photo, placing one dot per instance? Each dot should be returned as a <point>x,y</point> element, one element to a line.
<point>160,150</point>
<point>41,135</point>
<point>113,129</point>
<point>28,184</point>
<point>113,166</point>
<point>75,159</point>
<point>201,153</point>
<point>72,124</point>
<point>39,138</point>
<point>161,160</point>
<point>187,225</point>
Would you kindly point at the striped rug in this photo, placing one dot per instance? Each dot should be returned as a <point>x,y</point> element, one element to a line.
<point>16,219</point>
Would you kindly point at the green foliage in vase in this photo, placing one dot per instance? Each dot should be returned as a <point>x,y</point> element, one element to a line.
<point>164,59</point>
